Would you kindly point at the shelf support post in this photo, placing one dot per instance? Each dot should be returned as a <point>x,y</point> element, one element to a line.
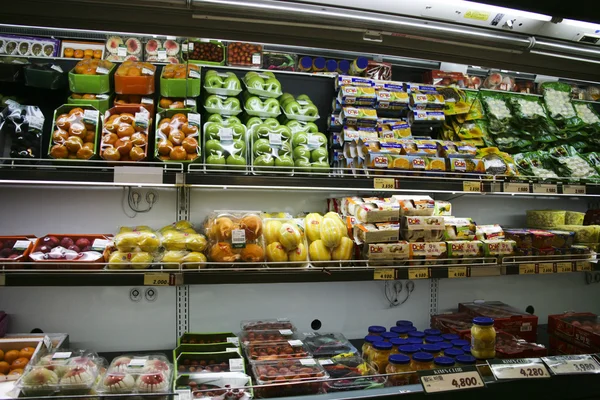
<point>434,286</point>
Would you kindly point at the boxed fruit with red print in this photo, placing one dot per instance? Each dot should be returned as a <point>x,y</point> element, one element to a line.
<point>506,318</point>
<point>581,329</point>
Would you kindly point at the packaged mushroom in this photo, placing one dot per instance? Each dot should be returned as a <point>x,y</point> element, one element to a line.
<point>235,236</point>
<point>422,229</point>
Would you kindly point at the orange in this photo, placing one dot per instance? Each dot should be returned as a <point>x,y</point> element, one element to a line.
<point>19,363</point>
<point>4,367</point>
<point>88,53</point>
<point>98,54</point>
<point>17,372</point>
<point>11,356</point>
<point>27,352</point>
<point>1,355</point>
<point>78,53</point>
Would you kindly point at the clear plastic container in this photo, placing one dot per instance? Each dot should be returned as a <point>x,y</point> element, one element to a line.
<point>433,339</point>
<point>376,330</point>
<point>225,144</point>
<point>177,136</point>
<point>271,147</point>
<point>399,364</point>
<point>402,331</point>
<point>216,386</point>
<point>352,369</point>
<point>367,346</point>
<point>421,362</point>
<point>432,332</point>
<point>222,83</point>
<point>208,338</point>
<point>389,335</point>
<point>483,338</point>
<point>235,236</point>
<point>465,360</point>
<point>74,133</point>
<point>293,372</point>
<point>459,343</point>
<point>267,324</point>
<point>453,352</point>
<point>276,350</point>
<point>404,323</point>
<point>328,344</point>
<point>264,84</point>
<point>433,349</point>
<point>223,105</point>
<point>268,336</point>
<point>125,134</point>
<point>217,362</point>
<point>443,362</point>
<point>380,354</point>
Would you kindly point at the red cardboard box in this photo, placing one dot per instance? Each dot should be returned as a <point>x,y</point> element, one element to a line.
<point>506,318</point>
<point>510,346</point>
<point>558,347</point>
<point>458,323</point>
<point>581,329</point>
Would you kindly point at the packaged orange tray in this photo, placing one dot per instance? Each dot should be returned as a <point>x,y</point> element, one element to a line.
<point>135,78</point>
<point>69,251</point>
<point>125,134</point>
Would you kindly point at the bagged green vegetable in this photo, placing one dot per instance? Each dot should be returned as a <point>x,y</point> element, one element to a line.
<point>528,109</point>
<point>588,115</point>
<point>497,111</point>
<point>557,97</point>
<point>476,111</point>
<point>568,163</point>
<point>535,163</point>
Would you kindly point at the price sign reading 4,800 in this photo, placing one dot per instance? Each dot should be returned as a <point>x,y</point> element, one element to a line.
<point>519,368</point>
<point>457,378</point>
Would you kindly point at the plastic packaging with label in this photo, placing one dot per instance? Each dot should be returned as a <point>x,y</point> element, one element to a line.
<point>177,136</point>
<point>125,134</point>
<point>225,143</point>
<point>137,374</point>
<point>285,241</point>
<point>235,236</point>
<point>222,83</point>
<point>74,133</point>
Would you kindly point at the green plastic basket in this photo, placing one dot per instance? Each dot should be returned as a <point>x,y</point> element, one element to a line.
<point>179,87</point>
<point>93,84</point>
<point>99,104</point>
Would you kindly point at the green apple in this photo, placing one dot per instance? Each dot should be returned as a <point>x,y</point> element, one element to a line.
<point>211,129</point>
<point>254,104</point>
<point>284,97</point>
<point>261,147</point>
<point>271,106</point>
<point>302,166</point>
<point>232,120</point>
<point>238,130</point>
<point>269,73</point>
<point>239,147</point>
<point>319,155</point>
<point>312,127</point>
<point>231,104</point>
<point>213,101</point>
<point>213,81</point>
<point>211,72</point>
<point>302,153</point>
<point>261,132</point>
<point>253,121</point>
<point>320,166</point>
<point>254,82</point>
<point>321,138</point>
<point>286,148</point>
<point>286,101</point>
<point>299,138</point>
<point>304,97</point>
<point>265,160</point>
<point>272,85</point>
<point>215,118</point>
<point>284,161</point>
<point>292,107</point>
<point>213,147</point>
<point>215,162</point>
<point>232,82</point>
<point>235,161</point>
<point>295,126</point>
<point>286,133</point>
<point>311,110</point>
<point>271,122</point>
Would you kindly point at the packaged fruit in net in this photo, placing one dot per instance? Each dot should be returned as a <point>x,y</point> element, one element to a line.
<point>244,54</point>
<point>222,83</point>
<point>310,152</point>
<point>225,143</point>
<point>61,248</point>
<point>180,80</point>
<point>177,135</point>
<point>137,374</point>
<point>134,247</point>
<point>183,245</point>
<point>219,104</point>
<point>177,103</point>
<point>125,134</point>
<point>300,108</point>
<point>263,84</point>
<point>285,242</point>
<point>235,236</point>
<point>74,132</point>
<point>91,76</point>
<point>271,147</point>
<point>133,77</point>
<point>204,52</point>
<point>21,130</point>
<point>328,237</point>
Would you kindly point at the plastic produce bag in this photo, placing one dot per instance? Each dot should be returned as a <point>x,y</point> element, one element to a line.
<point>310,152</point>
<point>557,97</point>
<point>588,115</point>
<point>219,104</point>
<point>528,109</point>
<point>496,110</point>
<point>271,147</point>
<point>568,163</point>
<point>21,128</point>
<point>535,163</point>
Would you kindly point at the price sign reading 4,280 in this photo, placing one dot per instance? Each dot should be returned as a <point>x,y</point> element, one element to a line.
<point>446,379</point>
<point>519,368</point>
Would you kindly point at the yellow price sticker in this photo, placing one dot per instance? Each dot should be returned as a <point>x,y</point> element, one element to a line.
<point>526,269</point>
<point>457,272</point>
<point>564,267</point>
<point>384,274</point>
<point>583,266</point>
<point>477,15</point>
<point>470,186</point>
<point>418,273</point>
<point>546,268</point>
<point>157,279</point>
<point>2,279</point>
<point>384,183</point>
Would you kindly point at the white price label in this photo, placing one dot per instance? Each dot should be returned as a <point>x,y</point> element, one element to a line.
<point>102,96</point>
<point>302,102</point>
<point>443,380</point>
<point>21,245</point>
<point>574,189</point>
<point>147,100</point>
<point>142,119</point>
<point>101,71</point>
<point>35,122</point>
<point>184,394</point>
<point>545,188</point>
<point>256,58</point>
<point>522,368</point>
<point>313,142</point>
<point>308,361</point>
<point>194,119</point>
<point>91,116</point>
<point>232,349</point>
<point>122,51</point>
<point>226,134</point>
<point>574,364</point>
<point>514,187</point>
<point>162,54</point>
<point>233,340</point>
<point>147,71</point>
<point>137,362</point>
<point>56,68</point>
<point>283,319</point>
<point>190,102</point>
<point>275,139</point>
<point>238,237</point>
<point>295,343</point>
<point>236,365</point>
<point>61,355</point>
<point>101,244</point>
<point>286,332</point>
<point>190,46</point>
<point>194,74</point>
<point>326,362</point>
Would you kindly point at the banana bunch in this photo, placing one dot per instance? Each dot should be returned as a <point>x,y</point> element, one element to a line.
<point>328,237</point>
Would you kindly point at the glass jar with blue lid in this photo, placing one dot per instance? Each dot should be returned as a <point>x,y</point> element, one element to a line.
<point>443,362</point>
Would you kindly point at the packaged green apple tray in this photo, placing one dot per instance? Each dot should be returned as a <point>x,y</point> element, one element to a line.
<point>74,133</point>
<point>224,144</point>
<point>271,148</point>
<point>263,84</point>
<point>300,108</point>
<point>177,136</point>
<point>222,83</point>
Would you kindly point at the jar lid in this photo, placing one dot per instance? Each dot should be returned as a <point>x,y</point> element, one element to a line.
<point>431,348</point>
<point>445,345</point>
<point>382,345</point>
<point>409,349</point>
<point>459,343</point>
<point>444,361</point>
<point>483,321</point>
<point>432,332</point>
<point>413,340</point>
<point>450,336</point>
<point>453,352</point>
<point>433,339</point>
<point>422,357</point>
<point>399,359</point>
<point>400,330</point>
<point>412,329</point>
<point>466,359</point>
<point>376,329</point>
<point>372,339</point>
<point>404,323</point>
<point>466,349</point>
<point>389,335</point>
<point>399,341</point>
<point>416,334</point>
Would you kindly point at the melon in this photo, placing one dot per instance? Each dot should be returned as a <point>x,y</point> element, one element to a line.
<point>152,58</point>
<point>113,43</point>
<point>172,60</point>
<point>134,46</point>
<point>113,57</point>
<point>172,47</point>
<point>132,58</point>
<point>152,47</point>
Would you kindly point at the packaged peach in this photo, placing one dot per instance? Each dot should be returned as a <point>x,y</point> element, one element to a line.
<point>125,134</point>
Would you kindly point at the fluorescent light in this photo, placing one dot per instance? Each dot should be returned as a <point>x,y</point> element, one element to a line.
<point>581,24</point>
<point>511,12</point>
<point>544,53</point>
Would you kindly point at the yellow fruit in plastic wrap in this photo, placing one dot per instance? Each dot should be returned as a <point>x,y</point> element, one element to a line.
<point>174,240</point>
<point>181,225</point>
<point>276,252</point>
<point>189,230</point>
<point>331,234</point>
<point>148,241</point>
<point>125,229</point>
<point>142,259</point>
<point>222,252</point>
<point>318,251</point>
<point>127,241</point>
<point>299,253</point>
<point>143,228</point>
<point>221,229</point>
<point>252,253</point>
<point>312,225</point>
<point>174,256</point>
<point>290,236</point>
<point>194,257</point>
<point>252,226</point>
<point>118,260</point>
<point>344,251</point>
<point>195,242</point>
<point>271,231</point>
<point>336,217</point>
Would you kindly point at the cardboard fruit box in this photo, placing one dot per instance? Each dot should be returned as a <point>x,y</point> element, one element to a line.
<point>7,345</point>
<point>458,323</point>
<point>558,347</point>
<point>581,329</point>
<point>506,318</point>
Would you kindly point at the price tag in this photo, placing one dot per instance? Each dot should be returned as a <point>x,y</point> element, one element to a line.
<point>519,368</point>
<point>102,96</point>
<point>156,279</point>
<point>313,142</point>
<point>575,364</point>
<point>61,355</point>
<point>194,74</point>
<point>147,71</point>
<point>256,58</point>
<point>190,102</point>
<point>234,340</point>
<point>142,119</point>
<point>283,319</point>
<point>226,134</point>
<point>191,46</point>
<point>457,272</point>
<point>147,100</point>
<point>194,119</point>
<point>545,188</point>
<point>302,102</point>
<point>286,332</point>
<point>546,268</point>
<point>91,116</point>
<point>326,362</point>
<point>563,267</point>
<point>526,269</point>
<point>384,183</point>
<point>446,379</point>
<point>275,139</point>
<point>236,364</point>
<point>138,174</point>
<point>308,361</point>
<point>100,244</point>
<point>384,274</point>
<point>137,362</point>
<point>233,349</point>
<point>474,187</point>
<point>35,122</point>
<point>583,266</point>
<point>418,273</point>
<point>184,394</point>
<point>514,187</point>
<point>295,343</point>
<point>238,238</point>
<point>21,245</point>
<point>101,71</point>
<point>56,68</point>
<point>122,51</point>
<point>162,54</point>
<point>574,189</point>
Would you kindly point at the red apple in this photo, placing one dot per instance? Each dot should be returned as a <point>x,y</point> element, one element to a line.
<point>8,244</point>
<point>5,253</point>
<point>87,248</point>
<point>75,248</point>
<point>51,241</point>
<point>66,242</point>
<point>82,243</point>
